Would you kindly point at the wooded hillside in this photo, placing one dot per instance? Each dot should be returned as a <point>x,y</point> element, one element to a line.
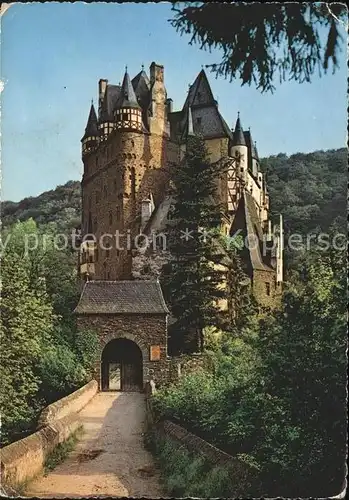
<point>308,189</point>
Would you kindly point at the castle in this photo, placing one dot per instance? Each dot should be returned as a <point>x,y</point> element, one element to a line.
<point>127,150</point>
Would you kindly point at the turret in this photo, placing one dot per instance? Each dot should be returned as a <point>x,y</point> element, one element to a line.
<point>239,149</point>
<point>90,138</point>
<point>128,113</point>
<point>255,159</point>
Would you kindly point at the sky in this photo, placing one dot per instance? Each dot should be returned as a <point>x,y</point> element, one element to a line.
<point>53,54</point>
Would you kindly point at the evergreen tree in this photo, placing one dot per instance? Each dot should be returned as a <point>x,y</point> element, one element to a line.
<point>191,278</point>
<point>250,36</point>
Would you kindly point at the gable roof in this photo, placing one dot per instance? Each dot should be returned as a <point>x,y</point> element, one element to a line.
<point>121,297</point>
<point>200,92</point>
<point>247,220</point>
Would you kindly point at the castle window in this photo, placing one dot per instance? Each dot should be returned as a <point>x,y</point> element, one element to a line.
<point>124,116</point>
<point>110,217</point>
<point>115,186</point>
<point>117,213</point>
<point>199,120</point>
<point>105,189</point>
<point>97,196</point>
<point>267,288</point>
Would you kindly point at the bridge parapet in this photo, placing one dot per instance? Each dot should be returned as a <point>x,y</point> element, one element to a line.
<point>22,460</point>
<point>69,405</point>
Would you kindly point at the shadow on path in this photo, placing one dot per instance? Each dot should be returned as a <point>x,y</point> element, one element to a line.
<point>110,459</point>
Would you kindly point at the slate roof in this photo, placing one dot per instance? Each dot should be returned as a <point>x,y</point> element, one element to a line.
<point>238,136</point>
<point>251,145</point>
<point>112,94</point>
<point>121,297</point>
<point>91,127</point>
<point>200,104</point>
<point>251,228</point>
<point>127,94</point>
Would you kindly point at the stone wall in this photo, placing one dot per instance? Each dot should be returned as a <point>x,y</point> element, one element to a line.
<point>24,459</point>
<point>259,287</point>
<point>69,405</point>
<point>144,329</point>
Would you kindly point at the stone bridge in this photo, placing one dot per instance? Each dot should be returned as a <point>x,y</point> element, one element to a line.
<point>109,458</point>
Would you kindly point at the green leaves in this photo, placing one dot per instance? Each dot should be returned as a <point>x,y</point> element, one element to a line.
<point>275,395</point>
<point>261,42</point>
<point>41,358</point>
<point>190,280</point>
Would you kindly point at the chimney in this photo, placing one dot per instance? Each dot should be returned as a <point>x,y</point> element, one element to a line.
<point>102,85</point>
<point>156,73</point>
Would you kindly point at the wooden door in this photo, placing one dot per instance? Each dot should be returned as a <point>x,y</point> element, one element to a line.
<point>130,377</point>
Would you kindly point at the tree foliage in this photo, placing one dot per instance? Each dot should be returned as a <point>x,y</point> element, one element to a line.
<point>190,278</point>
<point>262,41</point>
<point>58,209</point>
<point>276,396</point>
<point>309,189</point>
<point>42,355</point>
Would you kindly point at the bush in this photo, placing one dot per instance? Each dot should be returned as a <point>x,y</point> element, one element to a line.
<point>60,373</point>
<point>188,475</point>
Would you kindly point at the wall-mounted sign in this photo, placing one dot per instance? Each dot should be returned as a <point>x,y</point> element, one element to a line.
<point>154,353</point>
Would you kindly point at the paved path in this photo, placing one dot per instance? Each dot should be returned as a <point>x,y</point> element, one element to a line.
<point>110,458</point>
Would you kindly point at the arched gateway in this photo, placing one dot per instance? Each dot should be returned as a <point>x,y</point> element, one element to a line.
<point>130,318</point>
<point>121,366</point>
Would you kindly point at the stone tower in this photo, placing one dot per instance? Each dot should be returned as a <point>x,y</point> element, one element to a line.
<point>124,152</point>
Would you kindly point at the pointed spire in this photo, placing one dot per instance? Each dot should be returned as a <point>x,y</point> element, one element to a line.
<point>254,151</point>
<point>91,127</point>
<point>190,130</point>
<point>127,96</point>
<point>238,137</point>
